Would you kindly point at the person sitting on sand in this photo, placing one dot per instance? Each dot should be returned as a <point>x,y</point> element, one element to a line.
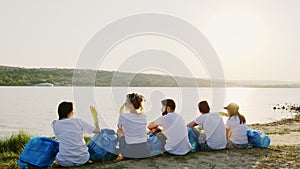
<point>70,133</point>
<point>132,128</point>
<point>175,140</point>
<point>236,128</point>
<point>214,137</point>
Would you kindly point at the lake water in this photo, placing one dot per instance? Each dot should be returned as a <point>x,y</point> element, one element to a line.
<point>34,108</point>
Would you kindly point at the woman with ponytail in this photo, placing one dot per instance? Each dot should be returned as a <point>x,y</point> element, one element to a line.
<point>132,128</point>
<point>236,128</point>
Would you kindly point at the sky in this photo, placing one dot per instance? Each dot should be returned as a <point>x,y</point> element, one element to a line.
<point>254,39</point>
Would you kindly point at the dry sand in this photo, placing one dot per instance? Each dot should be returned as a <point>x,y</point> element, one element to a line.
<point>284,152</point>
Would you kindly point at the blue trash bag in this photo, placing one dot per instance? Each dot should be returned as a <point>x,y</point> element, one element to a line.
<point>193,139</point>
<point>39,152</point>
<point>258,139</point>
<point>155,145</point>
<point>102,147</point>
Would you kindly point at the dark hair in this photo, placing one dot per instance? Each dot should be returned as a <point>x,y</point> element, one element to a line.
<point>169,103</point>
<point>64,108</point>
<point>203,107</point>
<point>136,100</point>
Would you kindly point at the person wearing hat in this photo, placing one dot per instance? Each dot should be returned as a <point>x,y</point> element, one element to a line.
<point>236,128</point>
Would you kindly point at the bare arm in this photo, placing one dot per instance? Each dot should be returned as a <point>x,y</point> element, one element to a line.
<point>228,135</point>
<point>95,117</point>
<point>192,124</point>
<point>152,125</point>
<point>97,130</point>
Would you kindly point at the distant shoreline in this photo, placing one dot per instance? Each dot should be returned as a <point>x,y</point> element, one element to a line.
<point>16,76</point>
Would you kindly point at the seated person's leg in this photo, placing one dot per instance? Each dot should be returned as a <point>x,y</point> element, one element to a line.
<point>205,147</point>
<point>202,142</point>
<point>230,145</point>
<point>163,139</point>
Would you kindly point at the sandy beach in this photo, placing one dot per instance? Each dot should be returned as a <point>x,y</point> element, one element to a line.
<point>284,152</point>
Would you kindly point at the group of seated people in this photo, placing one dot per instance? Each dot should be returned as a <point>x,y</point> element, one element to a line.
<point>132,131</point>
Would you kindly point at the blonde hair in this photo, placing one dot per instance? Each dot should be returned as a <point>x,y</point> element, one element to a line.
<point>234,111</point>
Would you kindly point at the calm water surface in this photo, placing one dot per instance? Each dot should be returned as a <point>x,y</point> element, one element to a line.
<point>34,108</point>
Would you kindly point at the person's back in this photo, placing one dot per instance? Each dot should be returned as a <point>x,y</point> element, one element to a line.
<point>174,129</point>
<point>214,137</point>
<point>72,148</point>
<point>134,127</point>
<point>236,128</point>
<point>214,130</point>
<point>70,133</point>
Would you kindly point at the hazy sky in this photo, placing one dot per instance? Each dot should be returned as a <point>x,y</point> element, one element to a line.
<point>254,39</point>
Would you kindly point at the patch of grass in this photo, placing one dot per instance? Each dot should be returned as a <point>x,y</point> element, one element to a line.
<point>283,131</point>
<point>212,166</point>
<point>118,166</point>
<point>11,148</point>
<point>15,143</point>
<point>281,156</point>
<point>153,162</point>
<point>181,159</point>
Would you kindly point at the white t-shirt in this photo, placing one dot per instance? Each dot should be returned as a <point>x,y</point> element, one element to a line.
<point>214,130</point>
<point>135,126</point>
<point>175,130</point>
<point>238,131</point>
<point>72,148</point>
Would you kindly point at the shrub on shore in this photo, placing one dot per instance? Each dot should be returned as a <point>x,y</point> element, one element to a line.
<point>11,148</point>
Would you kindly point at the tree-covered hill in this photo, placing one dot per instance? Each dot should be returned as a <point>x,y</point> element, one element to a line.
<point>16,76</point>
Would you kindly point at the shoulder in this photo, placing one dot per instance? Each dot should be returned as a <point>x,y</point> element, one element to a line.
<point>201,118</point>
<point>170,116</point>
<point>234,118</point>
<point>54,123</point>
<point>132,116</point>
<point>77,120</point>
<point>174,114</point>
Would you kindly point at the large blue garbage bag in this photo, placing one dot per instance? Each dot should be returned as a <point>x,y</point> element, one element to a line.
<point>102,147</point>
<point>193,138</point>
<point>258,138</point>
<point>155,145</point>
<point>39,152</point>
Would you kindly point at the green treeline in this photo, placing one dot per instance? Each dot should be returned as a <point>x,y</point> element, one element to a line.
<point>16,76</point>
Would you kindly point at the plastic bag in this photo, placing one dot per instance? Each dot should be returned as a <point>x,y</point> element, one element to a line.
<point>39,152</point>
<point>193,139</point>
<point>102,147</point>
<point>258,139</point>
<point>155,145</point>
